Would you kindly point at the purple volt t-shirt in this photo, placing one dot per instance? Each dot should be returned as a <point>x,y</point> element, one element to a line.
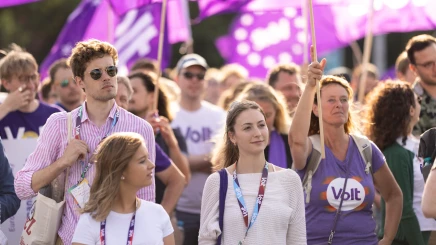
<point>19,124</point>
<point>355,224</point>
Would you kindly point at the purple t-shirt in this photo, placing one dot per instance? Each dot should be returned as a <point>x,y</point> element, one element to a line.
<point>25,125</point>
<point>355,224</point>
<point>162,160</point>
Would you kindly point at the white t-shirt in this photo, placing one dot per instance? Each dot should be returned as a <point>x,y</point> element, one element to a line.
<point>152,224</point>
<point>199,128</point>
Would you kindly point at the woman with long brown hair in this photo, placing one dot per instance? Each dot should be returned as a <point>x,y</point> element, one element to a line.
<point>394,102</point>
<point>274,106</point>
<point>275,193</point>
<point>113,214</point>
<point>339,189</point>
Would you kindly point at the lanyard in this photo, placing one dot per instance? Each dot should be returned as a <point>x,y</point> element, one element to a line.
<point>129,235</point>
<point>79,126</point>
<point>257,205</point>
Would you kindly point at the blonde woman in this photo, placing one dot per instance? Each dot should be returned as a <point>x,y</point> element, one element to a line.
<point>114,215</point>
<point>263,203</point>
<point>273,104</point>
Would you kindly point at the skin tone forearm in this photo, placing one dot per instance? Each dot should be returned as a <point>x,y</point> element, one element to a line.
<point>173,179</point>
<point>46,175</point>
<point>4,111</point>
<point>429,198</point>
<point>200,163</point>
<point>181,161</point>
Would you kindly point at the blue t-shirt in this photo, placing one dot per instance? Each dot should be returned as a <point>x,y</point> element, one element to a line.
<point>19,124</point>
<point>355,224</point>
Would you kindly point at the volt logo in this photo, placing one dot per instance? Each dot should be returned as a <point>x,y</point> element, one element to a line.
<point>353,195</point>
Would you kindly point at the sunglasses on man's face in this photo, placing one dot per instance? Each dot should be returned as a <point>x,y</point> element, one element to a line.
<point>64,83</point>
<point>190,75</point>
<point>97,73</point>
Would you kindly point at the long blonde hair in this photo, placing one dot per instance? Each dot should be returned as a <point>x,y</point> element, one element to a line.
<point>225,152</point>
<point>112,158</point>
<point>265,93</point>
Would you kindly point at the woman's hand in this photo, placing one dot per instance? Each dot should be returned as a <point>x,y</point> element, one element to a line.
<point>315,71</point>
<point>161,124</point>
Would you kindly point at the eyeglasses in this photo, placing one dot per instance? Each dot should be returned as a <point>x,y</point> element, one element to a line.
<point>428,65</point>
<point>190,75</point>
<point>97,73</point>
<point>64,83</point>
<point>28,78</point>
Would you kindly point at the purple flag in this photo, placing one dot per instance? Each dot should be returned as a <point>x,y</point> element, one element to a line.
<point>121,7</point>
<point>9,3</point>
<point>134,34</point>
<point>259,41</point>
<point>213,7</point>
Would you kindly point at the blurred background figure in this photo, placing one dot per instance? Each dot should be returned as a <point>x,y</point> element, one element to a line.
<point>46,93</point>
<point>402,69</point>
<point>231,75</point>
<point>213,90</point>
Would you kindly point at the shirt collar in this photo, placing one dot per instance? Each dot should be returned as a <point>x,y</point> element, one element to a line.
<point>85,113</point>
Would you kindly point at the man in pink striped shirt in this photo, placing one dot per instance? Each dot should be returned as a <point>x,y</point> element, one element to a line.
<point>93,65</point>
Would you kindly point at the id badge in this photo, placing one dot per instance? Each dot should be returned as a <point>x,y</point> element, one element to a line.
<point>81,193</point>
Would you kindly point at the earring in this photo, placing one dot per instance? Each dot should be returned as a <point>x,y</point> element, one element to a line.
<point>122,178</point>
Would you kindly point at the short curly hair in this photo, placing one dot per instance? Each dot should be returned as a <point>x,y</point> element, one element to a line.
<point>387,114</point>
<point>86,51</point>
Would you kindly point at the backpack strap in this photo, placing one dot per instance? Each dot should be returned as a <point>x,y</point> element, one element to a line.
<point>365,149</point>
<point>312,164</point>
<point>222,201</point>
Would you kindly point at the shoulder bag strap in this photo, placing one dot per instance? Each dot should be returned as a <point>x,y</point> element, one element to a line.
<point>69,136</point>
<point>222,201</point>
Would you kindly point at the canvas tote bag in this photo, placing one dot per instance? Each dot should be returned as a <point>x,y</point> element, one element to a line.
<point>45,216</point>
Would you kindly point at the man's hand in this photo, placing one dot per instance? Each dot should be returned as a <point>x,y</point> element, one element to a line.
<point>76,149</point>
<point>17,99</point>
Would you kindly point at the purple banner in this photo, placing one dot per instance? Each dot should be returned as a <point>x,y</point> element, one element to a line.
<point>9,3</point>
<point>259,41</point>
<point>134,34</point>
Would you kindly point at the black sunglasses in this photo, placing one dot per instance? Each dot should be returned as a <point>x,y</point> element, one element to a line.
<point>190,75</point>
<point>97,73</point>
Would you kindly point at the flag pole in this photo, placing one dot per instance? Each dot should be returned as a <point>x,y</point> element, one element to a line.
<point>366,54</point>
<point>159,52</point>
<point>314,57</point>
<point>306,34</point>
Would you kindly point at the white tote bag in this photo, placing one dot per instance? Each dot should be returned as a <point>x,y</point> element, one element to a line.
<point>45,216</point>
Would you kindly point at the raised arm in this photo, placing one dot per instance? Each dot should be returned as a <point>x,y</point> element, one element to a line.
<point>298,133</point>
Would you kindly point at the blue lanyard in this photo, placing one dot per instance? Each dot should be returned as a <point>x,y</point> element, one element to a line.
<point>79,126</point>
<point>258,203</point>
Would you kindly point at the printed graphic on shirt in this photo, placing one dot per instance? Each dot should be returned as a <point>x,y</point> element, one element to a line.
<point>354,194</point>
<point>196,136</point>
<point>22,134</point>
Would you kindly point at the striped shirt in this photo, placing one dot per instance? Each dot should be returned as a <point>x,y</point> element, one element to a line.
<point>52,143</point>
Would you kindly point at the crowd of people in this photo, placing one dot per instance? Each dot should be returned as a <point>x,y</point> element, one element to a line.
<point>212,156</point>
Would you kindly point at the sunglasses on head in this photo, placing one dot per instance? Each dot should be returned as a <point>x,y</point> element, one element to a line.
<point>97,73</point>
<point>190,75</point>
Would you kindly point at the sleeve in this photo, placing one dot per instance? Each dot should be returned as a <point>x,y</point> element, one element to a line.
<point>378,159</point>
<point>9,202</point>
<point>209,226</point>
<point>46,152</point>
<point>400,167</point>
<point>148,193</point>
<point>297,224</point>
<point>181,141</point>
<point>162,160</point>
<point>84,232</point>
<point>167,227</point>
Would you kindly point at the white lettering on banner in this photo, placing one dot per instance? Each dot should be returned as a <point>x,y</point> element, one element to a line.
<point>133,35</point>
<point>17,150</point>
<point>273,34</point>
<point>353,195</point>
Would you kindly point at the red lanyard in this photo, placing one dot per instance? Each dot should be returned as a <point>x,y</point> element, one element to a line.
<point>257,205</point>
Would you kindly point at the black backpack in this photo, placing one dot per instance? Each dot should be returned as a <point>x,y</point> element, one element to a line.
<point>427,150</point>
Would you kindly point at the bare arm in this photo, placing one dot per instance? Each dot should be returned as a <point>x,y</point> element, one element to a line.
<point>174,181</point>
<point>429,197</point>
<point>181,161</point>
<point>200,163</point>
<point>385,182</point>
<point>169,240</point>
<point>298,133</point>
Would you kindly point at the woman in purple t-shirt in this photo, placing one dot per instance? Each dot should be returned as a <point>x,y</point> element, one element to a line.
<point>335,215</point>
